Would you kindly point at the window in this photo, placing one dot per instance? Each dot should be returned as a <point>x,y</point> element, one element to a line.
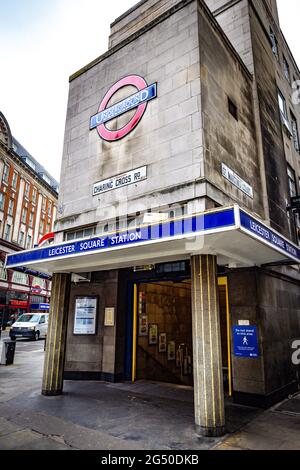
<point>15,180</point>
<point>282,104</point>
<point>284,113</point>
<point>20,278</point>
<point>295,133</point>
<point>31,217</point>
<point>87,232</point>
<point>41,226</point>
<point>27,187</point>
<point>11,206</point>
<point>3,272</point>
<point>232,109</point>
<point>286,70</point>
<point>29,242</point>
<point>44,203</point>
<point>24,215</point>
<point>70,236</point>
<point>47,179</point>
<point>292,182</point>
<point>30,163</point>
<point>34,193</point>
<point>2,201</point>
<point>274,44</point>
<point>21,238</point>
<point>7,232</point>
<point>49,208</point>
<point>5,173</point>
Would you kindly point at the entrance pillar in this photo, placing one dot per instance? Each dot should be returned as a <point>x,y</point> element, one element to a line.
<point>56,336</point>
<point>208,375</point>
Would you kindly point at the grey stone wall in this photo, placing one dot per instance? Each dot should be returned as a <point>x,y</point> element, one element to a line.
<point>269,301</point>
<point>233,17</point>
<point>94,354</point>
<point>247,25</point>
<point>248,374</point>
<point>137,17</point>
<point>271,129</point>
<point>279,310</point>
<point>227,140</point>
<point>168,139</point>
<point>197,70</point>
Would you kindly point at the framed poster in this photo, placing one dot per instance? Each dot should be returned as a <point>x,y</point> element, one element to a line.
<point>171,351</point>
<point>142,303</point>
<point>85,315</point>
<point>153,334</point>
<point>162,343</point>
<point>143,325</point>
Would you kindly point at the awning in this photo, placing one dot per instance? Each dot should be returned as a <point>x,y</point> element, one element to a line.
<point>237,238</point>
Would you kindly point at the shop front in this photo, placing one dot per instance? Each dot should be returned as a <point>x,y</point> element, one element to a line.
<point>18,293</point>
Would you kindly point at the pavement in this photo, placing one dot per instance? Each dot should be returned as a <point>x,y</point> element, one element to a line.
<point>145,415</point>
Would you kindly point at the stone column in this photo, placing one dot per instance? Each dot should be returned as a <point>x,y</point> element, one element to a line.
<point>56,337</point>
<point>208,375</point>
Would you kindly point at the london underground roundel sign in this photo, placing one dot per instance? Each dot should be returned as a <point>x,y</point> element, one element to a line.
<point>137,101</point>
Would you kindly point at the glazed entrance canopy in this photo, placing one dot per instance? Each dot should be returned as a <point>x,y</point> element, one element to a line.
<point>236,237</point>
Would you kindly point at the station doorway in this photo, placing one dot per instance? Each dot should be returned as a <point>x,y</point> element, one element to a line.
<point>162,332</point>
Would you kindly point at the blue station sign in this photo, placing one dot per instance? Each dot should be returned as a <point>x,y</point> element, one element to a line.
<point>263,232</point>
<point>163,231</point>
<point>245,341</point>
<point>218,221</point>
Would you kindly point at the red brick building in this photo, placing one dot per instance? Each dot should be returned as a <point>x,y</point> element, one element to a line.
<point>28,205</point>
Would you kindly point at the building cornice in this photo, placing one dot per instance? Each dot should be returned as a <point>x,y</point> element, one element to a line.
<point>10,245</point>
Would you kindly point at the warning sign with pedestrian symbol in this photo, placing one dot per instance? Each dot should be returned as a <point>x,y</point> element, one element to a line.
<point>245,341</point>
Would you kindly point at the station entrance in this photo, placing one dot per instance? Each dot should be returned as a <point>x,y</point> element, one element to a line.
<point>162,346</point>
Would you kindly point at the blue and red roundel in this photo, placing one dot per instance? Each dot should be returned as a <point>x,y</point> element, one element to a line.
<point>138,100</point>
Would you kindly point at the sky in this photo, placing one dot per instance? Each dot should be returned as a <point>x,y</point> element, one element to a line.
<point>43,42</point>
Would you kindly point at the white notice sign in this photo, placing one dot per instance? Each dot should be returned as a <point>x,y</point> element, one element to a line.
<point>116,182</point>
<point>244,323</point>
<point>85,316</point>
<point>237,181</point>
<point>109,317</point>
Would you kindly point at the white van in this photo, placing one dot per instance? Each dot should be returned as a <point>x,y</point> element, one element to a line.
<point>30,325</point>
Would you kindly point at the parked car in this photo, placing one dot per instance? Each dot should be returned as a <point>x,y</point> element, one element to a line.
<point>30,325</point>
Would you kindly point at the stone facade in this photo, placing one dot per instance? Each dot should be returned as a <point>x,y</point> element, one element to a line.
<point>217,104</point>
<point>270,301</point>
<point>28,207</point>
<point>168,139</point>
<point>184,137</point>
<point>248,25</point>
<point>93,356</point>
